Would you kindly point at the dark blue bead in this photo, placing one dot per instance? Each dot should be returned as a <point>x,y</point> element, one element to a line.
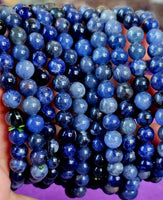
<point>146,150</point>
<point>19,152</point>
<point>114,181</point>
<point>74,73</point>
<point>95,114</point>
<point>70,56</point>
<point>130,20</point>
<point>56,66</point>
<point>65,40</point>
<point>101,55</point>
<point>156,64</point>
<point>103,72</point>
<point>38,157</point>
<point>13,20</point>
<point>17,177</point>
<point>158,99</point>
<point>150,23</point>
<point>128,194</point>
<point>81,180</point>
<point>114,155</point>
<point>49,130</point>
<point>4,44</point>
<point>141,83</point>
<point>32,25</point>
<point>75,191</point>
<point>119,56</point>
<point>61,83</point>
<point>44,17</point>
<point>49,33</point>
<point>98,144</point>
<point>122,12</point>
<point>124,91</point>
<point>53,162</point>
<point>90,12</point>
<point>64,119</point>
<point>145,134</point>
<point>145,15</point>
<point>18,6</point>
<point>155,50</point>
<point>83,168</point>
<point>41,76</point>
<point>63,101</point>
<point>136,51</point>
<point>129,142</point>
<point>36,40</point>
<point>117,40</point>
<point>7,81</point>
<point>97,129</point>
<point>20,52</point>
<point>67,174</point>
<point>39,59</point>
<point>68,150</point>
<point>129,157</point>
<point>68,7</point>
<point>74,16</point>
<point>111,122</point>
<point>99,160</point>
<point>44,94</point>
<point>53,49</point>
<point>159,163</point>
<point>92,97</point>
<point>36,141</point>
<point>16,137</point>
<point>144,118</point>
<point>84,153</point>
<point>98,39</point>
<point>79,31</point>
<point>25,12</point>
<point>70,164</point>
<point>83,139</point>
<point>62,25</point>
<point>67,135</point>
<point>158,173</point>
<point>145,165</point>
<point>52,174</point>
<point>157,81</point>
<point>126,108</point>
<point>105,89</point>
<point>90,81</point>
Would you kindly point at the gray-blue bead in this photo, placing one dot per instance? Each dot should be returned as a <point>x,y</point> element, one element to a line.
<point>39,172</point>
<point>79,106</point>
<point>108,105</point>
<point>130,171</point>
<point>18,35</point>
<point>77,90</point>
<point>81,122</point>
<point>160,133</point>
<point>107,15</point>
<point>115,169</point>
<point>31,105</point>
<point>128,125</point>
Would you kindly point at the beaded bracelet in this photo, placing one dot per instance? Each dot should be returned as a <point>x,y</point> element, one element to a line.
<point>79,102</point>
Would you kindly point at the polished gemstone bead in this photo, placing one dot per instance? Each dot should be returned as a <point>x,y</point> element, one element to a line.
<point>101,55</point>
<point>39,59</point>
<point>145,134</point>
<point>154,36</point>
<point>81,122</point>
<point>146,150</point>
<point>20,52</point>
<point>156,64</point>
<point>36,40</point>
<point>113,139</point>
<point>130,20</point>
<point>157,81</point>
<point>52,148</point>
<point>70,164</point>
<point>160,148</point>
<point>48,112</point>
<point>155,50</point>
<point>103,72</point>
<point>57,13</point>
<point>49,130</point>
<point>44,17</point>
<point>28,87</point>
<point>108,105</point>
<point>79,31</point>
<point>2,27</point>
<point>98,39</point>
<point>136,51</point>
<point>31,105</point>
<point>44,94</point>
<point>86,64</point>
<point>79,106</point>
<point>138,67</point>
<point>65,40</point>
<point>128,194</point>
<point>77,90</point>
<point>115,169</point>
<point>41,76</point>
<point>13,20</point>
<point>135,35</point>
<point>17,137</point>
<point>143,175</point>
<point>112,27</point>
<point>144,118</point>
<point>111,122</point>
<point>143,100</point>
<point>36,141</point>
<point>39,172</point>
<point>70,56</point>
<point>32,25</point>
<point>117,40</point>
<point>159,163</point>
<point>146,14</point>
<point>90,12</point>
<point>90,81</point>
<point>108,189</point>
<point>122,12</point>
<point>130,172</point>
<point>66,175</point>
<point>35,123</point>
<point>61,83</point>
<point>64,119</point>
<point>150,23</point>
<point>17,177</point>
<point>18,166</point>
<point>82,9</point>
<point>95,114</point>
<point>15,118</point>
<point>18,35</point>
<point>124,91</point>
<point>38,157</point>
<point>107,15</point>
<point>159,116</point>
<point>122,73</point>
<point>74,73</point>
<point>105,89</point>
<point>4,44</point>
<point>84,153</point>
<point>76,191</point>
<point>128,125</point>
<point>129,157</point>
<point>114,181</point>
<point>160,133</point>
<point>141,83</point>
<point>11,98</point>
<point>74,16</point>
<point>95,24</point>
<point>53,49</point>
<point>25,69</point>
<point>81,180</point>
<point>56,66</point>
<point>63,101</point>
<point>97,129</point>
<point>67,7</point>
<point>68,151</point>
<point>129,142</point>
<point>114,155</point>
<point>83,47</point>
<point>98,144</point>
<point>126,108</point>
<point>6,62</point>
<point>83,139</point>
<point>62,25</point>
<point>7,81</point>
<point>119,56</point>
<point>25,12</point>
<point>49,33</point>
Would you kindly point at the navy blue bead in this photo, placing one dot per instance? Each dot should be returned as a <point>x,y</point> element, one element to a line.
<point>44,94</point>
<point>103,72</point>
<point>64,119</point>
<point>79,31</point>
<point>150,23</point>
<point>146,150</point>
<point>39,59</point>
<point>129,157</point>
<point>98,144</point>
<point>67,135</point>
<point>114,181</point>
<point>138,67</point>
<point>119,56</point>
<point>32,25</point>
<point>157,81</point>
<point>111,122</point>
<point>35,123</point>
<point>7,81</point>
<point>122,12</point>
<point>101,55</point>
<point>92,97</point>
<point>41,76</point>
<point>67,174</point>
<point>160,132</point>
<point>13,20</point>
<point>70,56</point>
<point>63,101</point>
<point>49,33</point>
<point>70,164</point>
<point>117,40</point>
<point>17,177</point>
<point>81,180</point>
<point>36,141</point>
<point>36,40</point>
<point>6,62</point>
<point>126,108</point>
<point>18,6</point>
<point>68,7</point>
<point>19,152</point>
<point>128,194</point>
<point>90,81</point>
<point>4,44</point>
<point>38,157</point>
<point>144,118</point>
<point>74,16</point>
<point>136,51</point>
<point>53,49</point>
<point>25,12</point>
<point>61,83</point>
<point>141,83</point>
<point>83,168</point>
<point>97,129</point>
<point>56,66</point>
<point>48,112</point>
<point>129,142</point>
<point>130,20</point>
<point>68,151</point>
<point>74,73</point>
<point>159,163</point>
<point>145,134</point>
<point>156,64</point>
<point>49,130</point>
<point>124,91</point>
<point>95,114</point>
<point>90,12</point>
<point>84,153</point>
<point>145,165</point>
<point>155,50</point>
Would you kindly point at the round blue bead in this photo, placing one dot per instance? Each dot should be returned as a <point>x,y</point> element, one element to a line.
<point>36,40</point>
<point>106,15</point>
<point>61,83</point>
<point>48,112</point>
<point>79,106</point>
<point>31,105</point>
<point>90,81</point>
<point>130,172</point>
<point>157,81</point>
<point>108,105</point>
<point>83,168</point>
<point>74,16</point>
<point>56,66</point>
<point>92,97</point>
<point>128,194</point>
<point>105,89</point>
<point>35,123</point>
<point>156,64</point>
<point>77,90</point>
<point>25,69</point>
<point>32,25</point>
<point>18,166</point>
<point>44,94</point>
<point>114,155</point>
<point>146,150</point>
<point>114,181</point>
<point>159,116</point>
<point>18,138</point>
<point>128,125</point>
<point>20,52</point>
<point>144,118</point>
<point>136,51</point>
<point>39,59</point>
<point>101,55</point>
<point>129,157</point>
<point>117,40</point>
<point>135,34</point>
<point>160,148</point>
<point>155,50</point>
<point>150,23</point>
<point>49,33</point>
<point>112,27</point>
<point>7,81</point>
<point>6,62</point>
<point>115,169</point>
<point>68,151</point>
<point>122,12</point>
<point>25,12</point>
<point>129,142</point>
<point>81,122</point>
<point>38,157</point>
<point>81,180</point>
<point>62,25</point>
<point>13,20</point>
<point>83,47</point>
<point>146,14</point>
<point>18,6</point>
<point>119,56</point>
<point>19,152</point>
<point>160,133</point>
<point>11,98</point>
<point>145,134</point>
<point>98,144</point>
<point>63,101</point>
<point>28,87</point>
<point>53,49</point>
<point>70,56</point>
<point>4,43</point>
<point>126,108</point>
<point>144,174</point>
<point>154,36</point>
<point>86,64</point>
<point>66,175</point>
<point>103,72</point>
<point>44,17</point>
<point>65,40</point>
<point>84,153</point>
<point>130,20</point>
<point>111,122</point>
<point>143,100</point>
<point>122,73</point>
<point>113,139</point>
<point>98,39</point>
<point>64,119</point>
<point>138,67</point>
<point>39,173</point>
<point>95,24</point>
<point>97,129</point>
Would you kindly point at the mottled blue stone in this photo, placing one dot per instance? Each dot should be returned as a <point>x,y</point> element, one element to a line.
<point>126,108</point>
<point>81,122</point>
<point>130,172</point>
<point>18,138</point>
<point>117,40</point>
<point>18,165</point>
<point>128,194</point>
<point>49,33</point>
<point>160,133</point>
<point>159,116</point>
<point>44,94</point>
<point>31,105</point>
<point>65,40</point>
<point>83,47</point>
<point>108,105</point>
<point>98,144</point>
<point>101,55</point>
<point>135,34</point>
<point>111,122</point>
<point>138,67</point>
<point>11,98</point>
<point>44,17</point>
<point>74,16</point>
<point>156,64</point>
<point>83,168</point>
<point>79,106</point>
<point>84,153</point>
<point>146,134</point>
<point>143,100</point>
<point>98,39</point>
<point>4,43</point>
<point>113,139</point>
<point>38,157</point>
<point>129,142</point>
<point>56,66</point>
<point>128,125</point>
<point>154,36</point>
<point>20,52</point>
<point>6,62</point>
<point>86,64</point>
<point>122,73</point>
<point>114,155</point>
<point>95,24</point>
<point>77,90</point>
<point>155,50</point>
<point>150,23</point>
<point>144,118</point>
<point>136,51</point>
<point>61,83</point>
<point>105,89</point>
<point>157,81</point>
<point>146,150</point>
<point>68,151</point>
<point>119,56</point>
<point>25,69</point>
<point>103,72</point>
<point>19,152</point>
<point>53,49</point>
<point>90,81</point>
<point>35,123</point>
<point>28,87</point>
<point>63,101</point>
<point>112,27</point>
<point>62,25</point>
<point>115,169</point>
<point>39,59</point>
<point>36,40</point>
<point>39,172</point>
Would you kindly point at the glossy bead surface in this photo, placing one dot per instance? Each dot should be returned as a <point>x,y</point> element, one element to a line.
<point>113,139</point>
<point>101,55</point>
<point>62,25</point>
<point>7,81</point>
<point>115,169</point>
<point>157,81</point>
<point>129,142</point>
<point>77,90</point>
<point>141,83</point>
<point>38,157</point>
<point>39,59</point>
<point>146,150</point>
<point>160,133</point>
<point>136,51</point>
<point>112,27</point>
<point>144,118</point>
<point>53,49</point>
<point>154,36</point>
<point>108,105</point>
<point>128,125</point>
<point>2,27</point>
<point>11,98</point>
<point>18,138</point>
<point>105,89</point>
<point>146,134</point>
<point>20,52</point>
<point>114,155</point>
<point>111,122</point>
<point>44,94</point>
<point>35,123</point>
<point>138,67</point>
<point>135,34</point>
<point>155,64</point>
<point>36,41</point>
<point>130,172</point>
<point>19,152</point>
<point>70,56</point>
<point>25,69</point>
<point>36,141</point>
<point>49,33</point>
<point>79,106</point>
<point>31,105</point>
<point>64,119</point>
<point>86,64</point>
<point>95,24</point>
<point>126,108</point>
<point>32,25</point>
<point>48,112</point>
<point>4,44</point>
<point>81,122</point>
<point>143,100</point>
<point>98,39</point>
<point>63,101</point>
<point>6,62</point>
<point>83,47</point>
<point>159,116</point>
<point>18,35</point>
<point>124,91</point>
<point>122,73</point>
<point>65,40</point>
<point>61,83</point>
<point>28,87</point>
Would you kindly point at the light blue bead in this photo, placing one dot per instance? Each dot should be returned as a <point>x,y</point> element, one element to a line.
<point>103,72</point>
<point>113,139</point>
<point>81,122</point>
<point>136,51</point>
<point>39,173</point>
<point>98,39</point>
<point>130,172</point>
<point>31,105</point>
<point>95,24</point>
<point>114,155</point>
<point>86,64</point>
<point>36,40</point>
<point>154,36</point>
<point>105,89</point>
<point>143,100</point>
<point>138,67</point>
<point>107,15</point>
<point>20,52</point>
<point>25,69</point>
<point>28,87</point>
<point>135,34</point>
<point>108,105</point>
<point>79,106</point>
<point>83,47</point>
<point>112,27</point>
<point>155,50</point>
<point>77,90</point>
<point>101,55</point>
<point>159,117</point>
<point>119,56</point>
<point>128,125</point>
<point>143,174</point>
<point>122,73</point>
<point>44,94</point>
<point>11,98</point>
<point>115,169</point>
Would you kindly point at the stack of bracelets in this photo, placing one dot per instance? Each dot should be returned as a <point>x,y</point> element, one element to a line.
<point>80,104</point>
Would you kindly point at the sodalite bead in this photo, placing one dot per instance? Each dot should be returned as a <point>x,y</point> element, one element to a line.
<point>114,155</point>
<point>98,39</point>
<point>108,105</point>
<point>117,40</point>
<point>56,66</point>
<point>128,125</point>
<point>32,25</point>
<point>154,36</point>
<point>7,81</point>
<point>136,51</point>
<point>129,157</point>
<point>18,35</point>
<point>35,123</point>
<point>130,172</point>
<point>4,43</point>
<point>90,81</point>
<point>81,122</point>
<point>95,24</point>
<point>84,153</point>
<point>122,73</point>
<point>155,50</point>
<point>68,151</point>
<point>39,59</point>
<point>107,15</point>
<point>25,69</point>
<point>36,40</point>
<point>133,184</point>
<point>141,83</point>
<point>74,16</point>
<point>156,64</point>
<point>90,12</point>
<point>65,40</point>
<point>39,173</point>
<point>49,33</point>
<point>145,134</point>
<point>11,98</point>
<point>146,14</point>
<point>150,23</point>
<point>113,139</point>
<point>160,148</point>
<point>92,97</point>
<point>135,34</point>
<point>61,83</point>
<point>6,62</point>
<point>83,47</point>
<point>146,150</point>
<point>79,106</point>
<point>143,100</point>
<point>128,194</point>
<point>25,12</point>
<point>53,49</point>
<point>160,133</point>
<point>129,142</point>
<point>44,17</point>
<point>144,118</point>
<point>63,101</point>
<point>44,94</point>
<point>122,12</point>
<point>70,56</point>
<point>115,169</point>
<point>105,89</point>
<point>96,129</point>
<point>18,166</point>
<point>130,20</point>
<point>13,20</point>
<point>119,56</point>
<point>19,152</point>
<point>112,27</point>
<point>101,55</point>
<point>124,91</point>
<point>138,67</point>
<point>157,81</point>
<point>159,117</point>
<point>28,87</point>
<point>64,119</point>
<point>18,138</point>
<point>82,180</point>
<point>31,105</point>
<point>98,144</point>
<point>103,72</point>
<point>77,90</point>
<point>111,122</point>
<point>86,64</point>
<point>62,25</point>
<point>20,52</point>
<point>126,108</point>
